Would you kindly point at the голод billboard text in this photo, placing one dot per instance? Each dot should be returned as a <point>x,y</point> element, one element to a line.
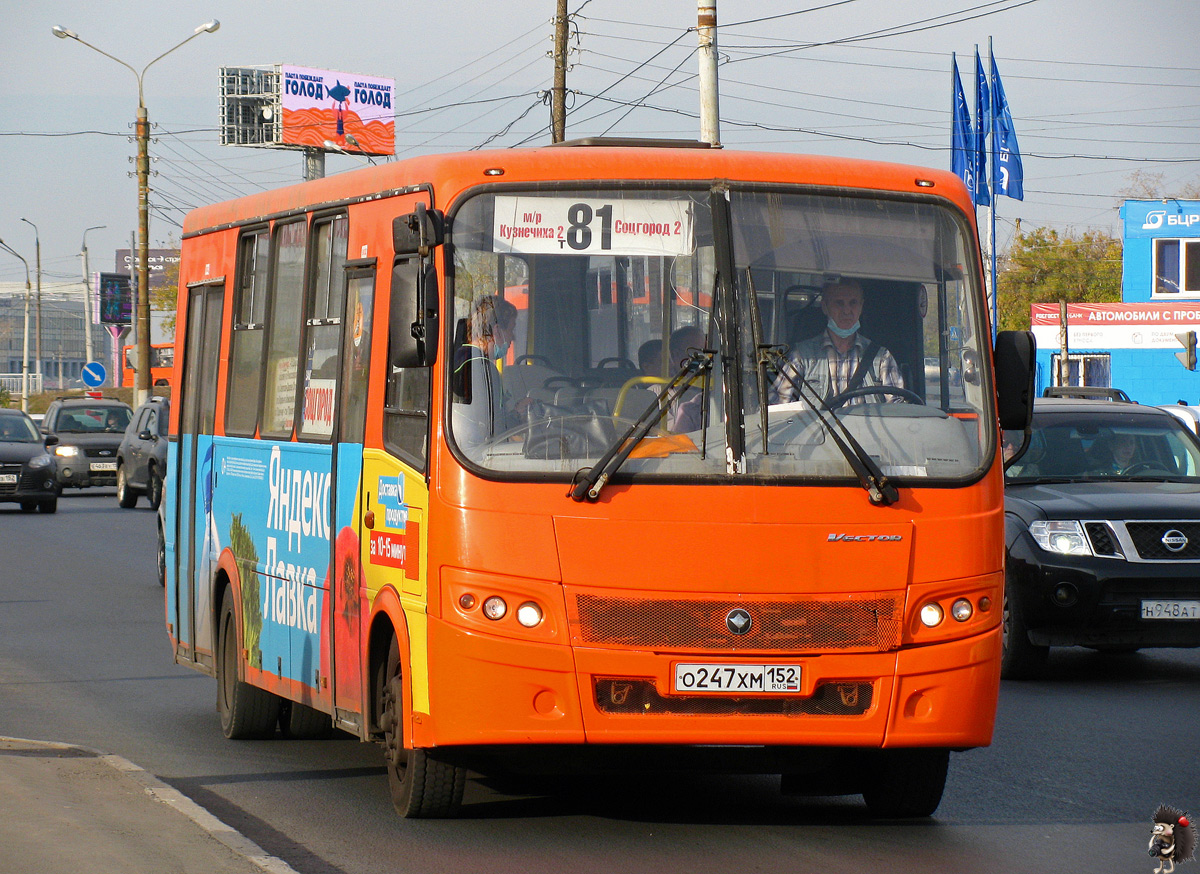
<point>356,112</point>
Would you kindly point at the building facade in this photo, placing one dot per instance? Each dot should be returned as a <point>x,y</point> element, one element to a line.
<point>1132,345</point>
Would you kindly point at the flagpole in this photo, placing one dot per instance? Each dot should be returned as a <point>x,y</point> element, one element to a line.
<point>995,302</point>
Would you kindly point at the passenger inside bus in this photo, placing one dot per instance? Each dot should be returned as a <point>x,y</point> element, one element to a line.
<point>481,407</point>
<point>840,357</point>
<point>687,413</point>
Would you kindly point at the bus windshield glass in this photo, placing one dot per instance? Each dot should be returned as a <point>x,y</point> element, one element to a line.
<point>577,311</point>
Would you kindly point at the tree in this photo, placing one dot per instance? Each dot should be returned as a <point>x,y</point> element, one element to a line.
<point>165,298</point>
<point>1043,267</point>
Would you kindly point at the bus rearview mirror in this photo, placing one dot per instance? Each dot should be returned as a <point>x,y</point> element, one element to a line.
<point>1014,359</point>
<point>418,231</point>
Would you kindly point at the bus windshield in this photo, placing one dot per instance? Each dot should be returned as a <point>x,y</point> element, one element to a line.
<point>577,310</point>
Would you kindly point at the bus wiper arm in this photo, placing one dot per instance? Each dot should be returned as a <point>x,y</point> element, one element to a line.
<point>590,481</point>
<point>878,487</point>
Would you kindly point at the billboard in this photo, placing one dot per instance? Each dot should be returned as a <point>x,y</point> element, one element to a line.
<point>116,299</point>
<point>157,260</point>
<point>1107,326</point>
<point>353,111</point>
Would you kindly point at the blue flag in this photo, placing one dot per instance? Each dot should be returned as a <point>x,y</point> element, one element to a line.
<point>983,124</point>
<point>962,153</point>
<point>1007,174</point>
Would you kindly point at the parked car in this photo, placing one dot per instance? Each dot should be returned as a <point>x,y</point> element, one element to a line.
<point>1190,416</point>
<point>1096,392</point>
<point>1103,532</point>
<point>27,467</point>
<point>142,455</point>
<point>89,431</point>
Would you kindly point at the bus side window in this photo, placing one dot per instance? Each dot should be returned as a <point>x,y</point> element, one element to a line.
<point>249,318</point>
<point>283,329</point>
<point>406,404</point>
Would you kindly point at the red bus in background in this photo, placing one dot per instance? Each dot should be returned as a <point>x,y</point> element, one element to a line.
<point>162,362</point>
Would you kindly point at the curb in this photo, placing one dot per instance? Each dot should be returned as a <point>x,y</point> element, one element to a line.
<point>173,798</point>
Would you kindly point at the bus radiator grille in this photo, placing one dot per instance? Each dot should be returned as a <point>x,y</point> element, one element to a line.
<point>863,624</point>
<point>639,696</point>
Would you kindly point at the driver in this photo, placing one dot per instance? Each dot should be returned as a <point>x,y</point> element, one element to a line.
<point>836,359</point>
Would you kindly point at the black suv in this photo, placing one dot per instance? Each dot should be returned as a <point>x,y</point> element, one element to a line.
<point>1103,532</point>
<point>89,432</point>
<point>26,464</point>
<point>142,455</point>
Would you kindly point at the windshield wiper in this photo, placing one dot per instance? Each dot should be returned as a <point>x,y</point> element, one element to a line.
<point>878,487</point>
<point>590,481</point>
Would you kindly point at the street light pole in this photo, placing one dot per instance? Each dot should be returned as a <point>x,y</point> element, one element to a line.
<point>143,177</point>
<point>87,299</point>
<point>25,350</point>
<point>37,243</point>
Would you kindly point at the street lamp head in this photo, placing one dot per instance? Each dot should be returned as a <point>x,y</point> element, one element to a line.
<point>210,26</point>
<point>62,33</point>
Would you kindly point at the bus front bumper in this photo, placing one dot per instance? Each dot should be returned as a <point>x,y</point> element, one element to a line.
<point>493,690</point>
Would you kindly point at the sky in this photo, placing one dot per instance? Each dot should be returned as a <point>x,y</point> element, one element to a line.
<point>1098,90</point>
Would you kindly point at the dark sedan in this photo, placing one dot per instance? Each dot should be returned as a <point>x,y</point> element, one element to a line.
<point>27,469</point>
<point>1103,533</point>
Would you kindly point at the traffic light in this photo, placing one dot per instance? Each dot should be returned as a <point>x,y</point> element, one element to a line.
<point>1187,357</point>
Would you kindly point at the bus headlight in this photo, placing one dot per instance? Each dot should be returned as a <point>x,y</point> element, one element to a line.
<point>495,608</point>
<point>931,615</point>
<point>529,614</point>
<point>961,610</point>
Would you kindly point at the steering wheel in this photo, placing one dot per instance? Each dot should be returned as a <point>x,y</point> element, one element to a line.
<point>909,397</point>
<point>1141,466</point>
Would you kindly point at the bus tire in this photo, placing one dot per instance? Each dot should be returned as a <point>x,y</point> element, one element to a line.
<point>906,783</point>
<point>1019,659</point>
<point>246,711</point>
<point>300,722</point>
<point>126,495</point>
<point>422,787</point>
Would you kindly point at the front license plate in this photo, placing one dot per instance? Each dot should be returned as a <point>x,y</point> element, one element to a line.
<point>737,678</point>
<point>104,465</point>
<point>8,479</point>
<point>1171,609</point>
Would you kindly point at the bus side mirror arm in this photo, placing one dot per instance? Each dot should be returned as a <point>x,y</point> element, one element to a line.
<point>1015,356</point>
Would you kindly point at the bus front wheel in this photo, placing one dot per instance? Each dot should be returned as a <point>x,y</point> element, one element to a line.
<point>247,712</point>
<point>906,783</point>
<point>421,786</point>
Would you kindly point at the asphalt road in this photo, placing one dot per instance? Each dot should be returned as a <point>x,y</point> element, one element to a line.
<point>1079,763</point>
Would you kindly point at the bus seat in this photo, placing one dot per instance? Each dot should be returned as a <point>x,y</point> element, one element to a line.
<point>524,380</point>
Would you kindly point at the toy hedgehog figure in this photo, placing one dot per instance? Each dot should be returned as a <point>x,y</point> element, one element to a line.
<point>1173,839</point>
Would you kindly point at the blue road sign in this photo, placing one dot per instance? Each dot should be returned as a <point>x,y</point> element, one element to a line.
<point>94,374</point>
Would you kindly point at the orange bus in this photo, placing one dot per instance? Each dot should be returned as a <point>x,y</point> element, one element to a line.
<point>479,534</point>
<point>162,364</point>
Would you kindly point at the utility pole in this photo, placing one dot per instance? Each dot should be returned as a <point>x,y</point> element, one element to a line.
<point>87,297</point>
<point>706,28</point>
<point>37,243</point>
<point>558,113</point>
